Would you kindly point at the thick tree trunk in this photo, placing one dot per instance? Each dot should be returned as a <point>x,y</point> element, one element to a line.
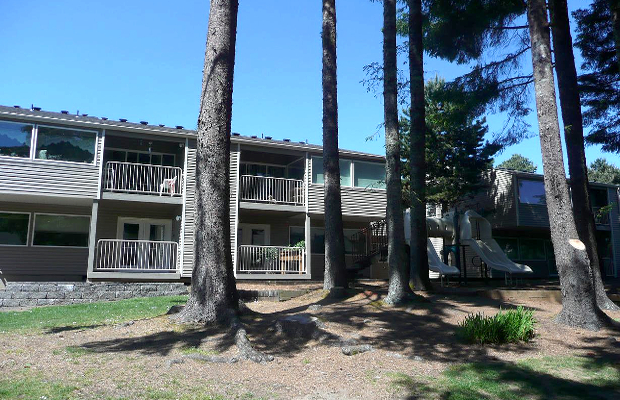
<point>335,273</point>
<point>213,296</point>
<point>399,269</point>
<point>615,14</point>
<point>570,105</point>
<point>579,307</point>
<point>418,255</point>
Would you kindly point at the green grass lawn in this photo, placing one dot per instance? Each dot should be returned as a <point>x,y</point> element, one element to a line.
<point>568,378</point>
<point>79,316</point>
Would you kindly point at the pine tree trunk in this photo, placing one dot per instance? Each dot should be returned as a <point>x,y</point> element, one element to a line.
<point>213,296</point>
<point>579,307</point>
<point>335,273</point>
<point>398,267</point>
<point>418,255</point>
<point>570,105</point>
<point>615,14</point>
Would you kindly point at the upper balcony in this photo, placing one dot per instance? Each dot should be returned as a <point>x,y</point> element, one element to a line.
<point>270,190</point>
<point>145,170</point>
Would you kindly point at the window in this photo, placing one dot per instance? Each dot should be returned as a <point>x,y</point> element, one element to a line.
<point>532,192</point>
<point>532,249</point>
<point>61,230</point>
<point>14,228</point>
<point>510,246</point>
<point>369,175</point>
<point>65,144</point>
<point>296,234</point>
<point>318,176</point>
<point>15,139</point>
<point>139,157</point>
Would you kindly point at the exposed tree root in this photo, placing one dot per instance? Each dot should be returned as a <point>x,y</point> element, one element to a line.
<point>601,320</point>
<point>200,357</point>
<point>605,303</point>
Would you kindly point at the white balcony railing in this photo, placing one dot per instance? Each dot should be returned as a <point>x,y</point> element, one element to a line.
<point>143,178</point>
<point>263,189</point>
<point>271,260</point>
<point>136,255</point>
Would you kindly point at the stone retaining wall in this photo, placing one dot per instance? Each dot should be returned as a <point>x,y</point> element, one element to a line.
<point>26,294</point>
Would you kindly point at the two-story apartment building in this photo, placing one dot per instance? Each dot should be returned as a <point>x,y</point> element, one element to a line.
<point>83,197</point>
<point>514,203</point>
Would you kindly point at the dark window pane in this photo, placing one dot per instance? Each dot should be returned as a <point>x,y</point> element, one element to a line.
<point>509,246</point>
<point>318,240</point>
<point>15,139</point>
<point>532,249</point>
<point>132,157</point>
<point>598,198</point>
<point>276,172</point>
<point>61,230</point>
<point>14,229</point>
<point>296,235</point>
<point>532,192</point>
<point>168,159</point>
<point>156,159</point>
<point>369,175</point>
<point>65,145</point>
<point>317,170</point>
<point>131,231</point>
<point>144,158</point>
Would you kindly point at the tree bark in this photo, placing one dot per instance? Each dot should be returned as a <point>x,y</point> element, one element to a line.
<point>213,296</point>
<point>398,268</point>
<point>418,255</point>
<point>335,273</point>
<point>579,308</point>
<point>615,14</point>
<point>570,105</point>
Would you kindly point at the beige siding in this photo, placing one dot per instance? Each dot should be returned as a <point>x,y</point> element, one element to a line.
<point>188,246</point>
<point>54,262</point>
<point>356,202</point>
<point>496,201</point>
<point>52,178</point>
<point>190,194</point>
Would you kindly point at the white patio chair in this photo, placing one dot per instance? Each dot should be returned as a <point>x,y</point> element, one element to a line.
<point>168,185</point>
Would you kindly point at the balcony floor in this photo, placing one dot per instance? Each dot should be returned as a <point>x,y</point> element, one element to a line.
<point>249,205</point>
<point>143,198</point>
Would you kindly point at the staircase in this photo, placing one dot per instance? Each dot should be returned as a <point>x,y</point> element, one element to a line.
<point>368,243</point>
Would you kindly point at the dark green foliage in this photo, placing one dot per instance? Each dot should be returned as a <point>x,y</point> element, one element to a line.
<point>456,152</point>
<point>510,326</point>
<point>518,163</point>
<point>600,84</point>
<point>603,172</point>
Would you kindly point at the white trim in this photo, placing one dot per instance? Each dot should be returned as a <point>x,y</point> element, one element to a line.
<point>27,232</point>
<point>34,230</point>
<point>235,249</point>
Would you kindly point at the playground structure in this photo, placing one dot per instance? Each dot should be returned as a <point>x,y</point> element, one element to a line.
<point>471,230</point>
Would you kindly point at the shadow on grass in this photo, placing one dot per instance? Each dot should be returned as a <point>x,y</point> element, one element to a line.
<point>533,379</point>
<point>71,328</point>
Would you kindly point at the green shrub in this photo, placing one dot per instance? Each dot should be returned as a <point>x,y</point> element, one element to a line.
<point>504,327</point>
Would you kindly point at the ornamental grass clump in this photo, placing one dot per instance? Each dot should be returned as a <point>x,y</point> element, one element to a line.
<point>510,326</point>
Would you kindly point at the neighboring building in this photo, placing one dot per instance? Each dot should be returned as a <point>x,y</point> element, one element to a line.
<point>83,197</point>
<point>514,203</point>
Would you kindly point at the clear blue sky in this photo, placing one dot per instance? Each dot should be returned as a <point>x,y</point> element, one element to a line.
<point>142,60</point>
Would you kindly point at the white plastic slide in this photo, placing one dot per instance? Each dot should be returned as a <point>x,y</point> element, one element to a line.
<point>435,264</point>
<point>476,232</point>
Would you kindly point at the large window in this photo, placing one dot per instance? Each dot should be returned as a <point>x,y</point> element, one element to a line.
<point>510,246</point>
<point>61,230</point>
<point>369,175</point>
<point>296,234</point>
<point>532,249</point>
<point>318,175</point>
<point>14,228</point>
<point>65,144</point>
<point>532,192</point>
<point>15,139</point>
<point>141,157</point>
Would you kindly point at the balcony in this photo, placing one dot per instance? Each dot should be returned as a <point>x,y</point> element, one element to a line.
<point>117,255</point>
<point>143,179</point>
<point>269,190</point>
<point>270,260</point>
<point>601,218</point>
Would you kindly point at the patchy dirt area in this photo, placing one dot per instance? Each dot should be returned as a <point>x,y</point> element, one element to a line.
<point>133,360</point>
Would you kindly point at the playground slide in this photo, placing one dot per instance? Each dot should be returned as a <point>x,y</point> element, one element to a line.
<point>435,264</point>
<point>476,232</point>
<point>490,252</point>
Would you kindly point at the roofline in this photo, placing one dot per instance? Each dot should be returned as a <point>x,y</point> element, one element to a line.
<point>541,176</point>
<point>98,123</point>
